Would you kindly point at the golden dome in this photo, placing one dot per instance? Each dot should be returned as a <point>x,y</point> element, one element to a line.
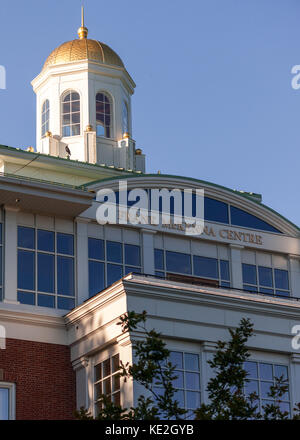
<point>83,49</point>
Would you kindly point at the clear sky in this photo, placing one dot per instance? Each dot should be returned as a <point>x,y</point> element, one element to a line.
<point>213,100</point>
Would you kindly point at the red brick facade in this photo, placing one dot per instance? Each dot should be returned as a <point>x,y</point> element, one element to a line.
<point>44,378</point>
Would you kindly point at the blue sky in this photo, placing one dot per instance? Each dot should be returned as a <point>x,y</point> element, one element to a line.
<point>213,100</point>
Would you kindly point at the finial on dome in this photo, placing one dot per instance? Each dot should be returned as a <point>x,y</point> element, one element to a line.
<point>82,31</point>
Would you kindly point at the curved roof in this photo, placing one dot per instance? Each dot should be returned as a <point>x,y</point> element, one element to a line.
<point>241,200</point>
<point>84,49</point>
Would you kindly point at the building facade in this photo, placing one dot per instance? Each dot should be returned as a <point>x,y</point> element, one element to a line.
<point>65,279</point>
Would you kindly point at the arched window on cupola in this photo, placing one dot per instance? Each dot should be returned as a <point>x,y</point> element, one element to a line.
<point>103,115</point>
<point>45,117</point>
<point>125,120</point>
<point>71,114</point>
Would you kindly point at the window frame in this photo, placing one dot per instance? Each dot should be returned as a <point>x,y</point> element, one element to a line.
<point>11,398</point>
<point>111,115</point>
<point>184,370</point>
<point>45,126</point>
<point>100,359</point>
<point>259,380</point>
<point>259,287</point>
<point>62,125</point>
<point>36,251</point>
<point>107,262</point>
<point>222,282</point>
<point>125,105</point>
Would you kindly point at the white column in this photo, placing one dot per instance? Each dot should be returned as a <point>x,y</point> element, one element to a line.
<point>82,264</point>
<point>206,372</point>
<point>82,395</point>
<point>295,275</point>
<point>10,255</point>
<point>148,251</point>
<point>236,266</point>
<point>295,379</point>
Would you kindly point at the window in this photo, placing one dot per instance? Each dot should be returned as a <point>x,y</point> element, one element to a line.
<point>243,218</point>
<point>187,383</point>
<point>7,401</point>
<point>202,267</point>
<point>125,121</point>
<point>109,261</point>
<point>265,280</point>
<point>103,115</point>
<point>261,376</point>
<point>45,117</point>
<point>107,381</point>
<point>46,268</point>
<point>71,114</point>
<point>215,211</point>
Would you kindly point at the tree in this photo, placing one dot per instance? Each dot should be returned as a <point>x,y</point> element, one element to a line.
<point>152,369</point>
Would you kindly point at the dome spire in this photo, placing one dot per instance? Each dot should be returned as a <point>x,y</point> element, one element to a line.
<point>82,31</point>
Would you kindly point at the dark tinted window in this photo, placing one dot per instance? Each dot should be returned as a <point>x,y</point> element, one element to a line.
<point>243,218</point>
<point>96,249</point>
<point>26,237</point>
<point>215,211</point>
<point>177,262</point>
<point>206,267</point>
<point>96,277</point>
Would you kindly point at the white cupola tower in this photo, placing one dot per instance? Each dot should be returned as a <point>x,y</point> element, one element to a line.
<point>84,105</point>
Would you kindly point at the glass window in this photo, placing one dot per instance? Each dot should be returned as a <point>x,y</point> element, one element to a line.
<point>114,273</point>
<point>4,403</point>
<point>249,274</point>
<point>103,115</point>
<point>215,211</point>
<point>45,117</point>
<point>107,381</point>
<point>125,124</point>
<point>65,303</point>
<point>65,276</point>
<point>26,270</point>
<point>54,273</point>
<point>71,114</point>
<point>46,273</point>
<point>96,249</point>
<point>281,279</point>
<point>45,241</point>
<point>265,276</point>
<point>261,376</point>
<point>243,218</point>
<point>224,268</point>
<point>187,383</point>
<point>46,301</point>
<point>265,284</point>
<point>159,259</point>
<point>26,237</point>
<point>114,252</point>
<point>26,298</point>
<point>96,277</point>
<point>178,262</point>
<point>65,244</point>
<point>132,255</point>
<point>206,267</point>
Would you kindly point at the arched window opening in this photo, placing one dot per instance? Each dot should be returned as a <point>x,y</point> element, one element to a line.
<point>71,114</point>
<point>45,117</point>
<point>125,122</point>
<point>103,115</point>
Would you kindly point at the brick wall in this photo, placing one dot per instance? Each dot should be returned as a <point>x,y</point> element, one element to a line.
<point>44,378</point>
